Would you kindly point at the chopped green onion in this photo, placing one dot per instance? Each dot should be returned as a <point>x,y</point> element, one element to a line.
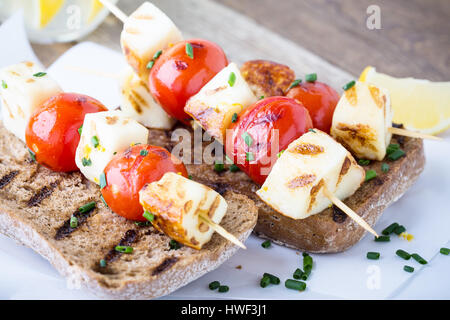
<point>311,77</point>
<point>265,281</point>
<point>280,153</point>
<point>408,269</point>
<point>86,162</point>
<point>445,251</point>
<point>73,222</point>
<point>266,244</point>
<point>390,229</point>
<point>32,154</point>
<point>103,263</point>
<point>364,162</point>
<point>305,254</point>
<point>247,139</point>
<point>4,85</point>
<point>150,64</point>
<point>157,54</point>
<point>349,85</point>
<point>262,97</point>
<point>189,50</point>
<point>295,285</point>
<point>149,216</point>
<point>383,239</point>
<point>174,245</point>
<point>115,152</point>
<point>95,141</point>
<point>403,254</point>
<point>232,79</point>
<point>273,279</point>
<point>295,83</point>
<point>219,167</point>
<point>249,156</point>
<point>298,273</point>
<point>370,174</point>
<point>307,262</point>
<point>312,130</point>
<point>80,130</point>
<point>87,207</point>
<point>384,167</point>
<point>214,285</point>
<point>418,258</point>
<point>143,152</point>
<point>234,117</point>
<point>397,154</point>
<point>224,289</point>
<point>399,230</point>
<point>373,255</point>
<point>124,249</point>
<point>234,168</point>
<point>39,74</point>
<point>392,147</point>
<point>102,180</point>
<point>142,224</point>
<point>190,177</point>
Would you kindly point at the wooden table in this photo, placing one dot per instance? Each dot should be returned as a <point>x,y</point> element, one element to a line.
<point>414,39</point>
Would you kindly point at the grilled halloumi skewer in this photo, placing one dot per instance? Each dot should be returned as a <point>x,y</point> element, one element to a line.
<point>24,88</point>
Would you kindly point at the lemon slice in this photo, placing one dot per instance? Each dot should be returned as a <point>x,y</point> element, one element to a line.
<point>96,7</point>
<point>420,105</point>
<point>48,10</point>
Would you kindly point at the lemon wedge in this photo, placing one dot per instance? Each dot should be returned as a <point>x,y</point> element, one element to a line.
<point>420,105</point>
<point>48,10</point>
<point>96,7</point>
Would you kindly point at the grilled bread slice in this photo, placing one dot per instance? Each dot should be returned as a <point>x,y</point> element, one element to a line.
<point>35,209</point>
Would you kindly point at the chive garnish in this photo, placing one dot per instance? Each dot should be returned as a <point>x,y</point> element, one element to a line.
<point>103,263</point>
<point>73,222</point>
<point>265,281</point>
<point>157,54</point>
<point>311,77</point>
<point>32,154</point>
<point>249,156</point>
<point>445,251</point>
<point>142,224</point>
<point>266,244</point>
<point>124,249</point>
<point>80,130</point>
<point>189,50</point>
<point>298,273</point>
<point>373,255</point>
<point>262,97</point>
<point>95,141</point>
<point>384,167</point>
<point>307,262</point>
<point>397,154</point>
<point>214,285</point>
<point>273,279</point>
<point>349,85</point>
<point>149,216</point>
<point>234,117</point>
<point>363,162</point>
<point>370,174</point>
<point>102,180</point>
<point>223,289</point>
<point>247,139</point>
<point>87,207</point>
<point>150,64</point>
<point>174,245</point>
<point>403,254</point>
<point>232,79</point>
<point>312,130</point>
<point>390,229</point>
<point>219,167</point>
<point>392,147</point>
<point>295,285</point>
<point>190,177</point>
<point>4,85</point>
<point>383,239</point>
<point>408,269</point>
<point>86,162</point>
<point>280,153</point>
<point>39,74</point>
<point>234,168</point>
<point>143,152</point>
<point>399,230</point>
<point>418,258</point>
<point>295,83</point>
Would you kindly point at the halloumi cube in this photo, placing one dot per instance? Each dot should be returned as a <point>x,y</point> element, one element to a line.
<point>146,31</point>
<point>104,134</point>
<point>139,104</point>
<point>177,202</point>
<point>295,186</point>
<point>21,93</point>
<point>362,119</point>
<point>224,95</point>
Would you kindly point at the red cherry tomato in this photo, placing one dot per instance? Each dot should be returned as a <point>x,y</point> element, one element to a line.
<point>320,100</point>
<point>254,144</point>
<point>52,132</point>
<point>128,172</point>
<point>175,77</point>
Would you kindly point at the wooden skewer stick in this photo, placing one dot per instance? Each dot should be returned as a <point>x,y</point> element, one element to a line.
<point>115,10</point>
<point>352,214</point>
<point>224,233</point>
<point>404,132</point>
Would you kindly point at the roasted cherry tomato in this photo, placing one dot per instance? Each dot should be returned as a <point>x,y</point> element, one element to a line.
<point>320,100</point>
<point>128,172</point>
<point>52,132</point>
<point>177,74</point>
<point>254,145</point>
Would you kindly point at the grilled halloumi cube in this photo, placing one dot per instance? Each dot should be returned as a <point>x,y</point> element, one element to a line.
<point>146,31</point>
<point>295,186</point>
<point>224,95</point>
<point>362,119</point>
<point>103,135</point>
<point>139,104</point>
<point>177,204</point>
<point>23,89</point>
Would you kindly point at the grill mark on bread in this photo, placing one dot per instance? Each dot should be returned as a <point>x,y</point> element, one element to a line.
<point>130,237</point>
<point>65,230</point>
<point>7,178</point>
<point>165,265</point>
<point>42,194</point>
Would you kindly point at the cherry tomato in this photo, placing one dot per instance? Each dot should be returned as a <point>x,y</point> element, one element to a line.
<point>254,145</point>
<point>128,172</point>
<point>320,100</point>
<point>175,76</point>
<point>52,132</point>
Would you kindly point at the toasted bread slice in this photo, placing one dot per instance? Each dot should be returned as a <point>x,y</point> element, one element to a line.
<point>35,209</point>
